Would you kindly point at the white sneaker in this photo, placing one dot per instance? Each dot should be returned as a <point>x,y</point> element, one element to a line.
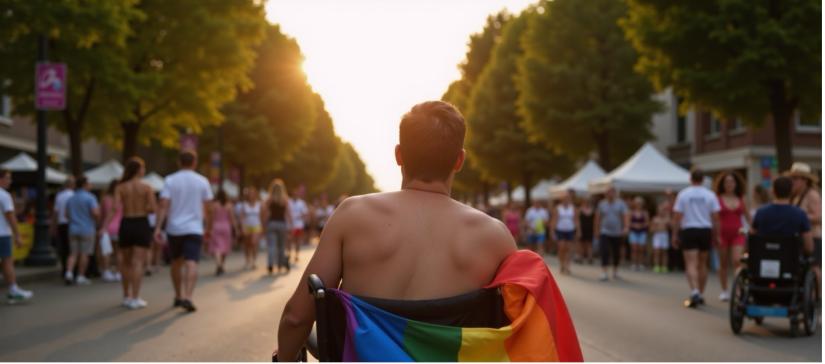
<point>83,281</point>
<point>140,303</point>
<point>19,294</point>
<point>68,277</point>
<point>118,278</point>
<point>127,302</point>
<point>724,297</point>
<point>108,276</point>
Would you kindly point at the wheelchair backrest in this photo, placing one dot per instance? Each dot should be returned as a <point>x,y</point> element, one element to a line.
<point>774,259</point>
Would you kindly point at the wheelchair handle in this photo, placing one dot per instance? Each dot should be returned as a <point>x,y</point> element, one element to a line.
<point>316,286</point>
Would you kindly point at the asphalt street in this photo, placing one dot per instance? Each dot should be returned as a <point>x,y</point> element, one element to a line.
<point>639,318</point>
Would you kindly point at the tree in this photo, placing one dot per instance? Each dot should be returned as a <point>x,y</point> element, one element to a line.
<point>89,37</point>
<point>579,92</point>
<point>363,182</point>
<point>344,175</point>
<point>266,124</point>
<point>737,58</point>
<point>495,137</point>
<point>480,47</point>
<point>313,164</point>
<point>187,59</point>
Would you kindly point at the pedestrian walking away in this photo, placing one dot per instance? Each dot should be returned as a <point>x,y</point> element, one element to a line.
<point>611,223</point>
<point>584,230</point>
<point>109,236</point>
<point>61,223</point>
<point>512,219</point>
<point>184,206</point>
<point>137,201</point>
<point>9,235</point>
<point>300,213</point>
<point>538,220</point>
<point>564,230</point>
<point>695,224</point>
<point>277,219</point>
<point>221,225</point>
<point>660,228</point>
<point>733,211</point>
<point>806,196</point>
<point>250,217</point>
<point>637,237</point>
<point>83,212</point>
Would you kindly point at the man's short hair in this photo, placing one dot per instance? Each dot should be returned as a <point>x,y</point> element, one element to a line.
<point>4,172</point>
<point>431,137</point>
<point>186,158</point>
<point>80,181</point>
<point>782,187</point>
<point>696,175</point>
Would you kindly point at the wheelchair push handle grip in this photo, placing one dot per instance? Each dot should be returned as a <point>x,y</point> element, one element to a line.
<point>316,286</point>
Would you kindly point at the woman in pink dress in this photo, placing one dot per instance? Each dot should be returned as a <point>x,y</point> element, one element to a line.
<point>512,219</point>
<point>221,223</point>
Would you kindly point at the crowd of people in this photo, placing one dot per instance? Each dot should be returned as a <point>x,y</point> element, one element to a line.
<point>128,230</point>
<point>668,231</point>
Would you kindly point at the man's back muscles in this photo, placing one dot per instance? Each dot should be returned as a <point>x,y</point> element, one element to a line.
<point>417,245</point>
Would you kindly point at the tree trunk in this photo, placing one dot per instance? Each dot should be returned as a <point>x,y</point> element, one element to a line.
<point>509,192</point>
<point>75,132</point>
<point>603,149</point>
<point>527,180</point>
<point>130,139</point>
<point>241,180</point>
<point>782,111</point>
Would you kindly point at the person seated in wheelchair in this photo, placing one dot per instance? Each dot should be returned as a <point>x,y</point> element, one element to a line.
<point>782,219</point>
<point>410,245</point>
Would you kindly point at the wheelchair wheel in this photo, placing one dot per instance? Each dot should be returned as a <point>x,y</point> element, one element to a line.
<point>738,300</point>
<point>809,304</point>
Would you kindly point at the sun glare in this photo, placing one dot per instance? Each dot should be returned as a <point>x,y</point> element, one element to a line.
<point>372,60</point>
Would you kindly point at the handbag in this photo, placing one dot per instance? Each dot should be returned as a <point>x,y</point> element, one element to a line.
<point>106,244</point>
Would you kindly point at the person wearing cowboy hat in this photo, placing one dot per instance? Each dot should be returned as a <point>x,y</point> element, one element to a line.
<point>806,196</point>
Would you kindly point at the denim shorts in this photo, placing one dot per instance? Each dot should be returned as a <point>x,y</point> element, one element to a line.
<point>5,247</point>
<point>637,237</point>
<point>565,235</point>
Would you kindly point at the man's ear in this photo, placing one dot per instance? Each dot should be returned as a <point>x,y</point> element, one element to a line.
<point>398,159</point>
<point>459,162</point>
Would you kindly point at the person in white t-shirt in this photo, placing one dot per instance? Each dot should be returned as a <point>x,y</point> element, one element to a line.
<point>60,223</point>
<point>299,210</point>
<point>184,202</point>
<point>695,221</point>
<point>9,235</point>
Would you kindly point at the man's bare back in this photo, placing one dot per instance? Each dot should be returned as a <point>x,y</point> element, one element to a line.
<point>415,245</point>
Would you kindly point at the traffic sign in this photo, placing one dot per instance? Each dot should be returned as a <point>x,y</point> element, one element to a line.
<point>50,86</point>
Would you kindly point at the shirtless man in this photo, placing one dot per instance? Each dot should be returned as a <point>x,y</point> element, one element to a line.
<point>806,196</point>
<point>412,244</point>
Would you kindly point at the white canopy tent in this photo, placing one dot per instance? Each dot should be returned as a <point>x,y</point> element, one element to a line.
<point>647,171</point>
<point>232,190</point>
<point>102,175</point>
<point>24,163</point>
<point>539,192</point>
<point>155,180</point>
<point>578,182</point>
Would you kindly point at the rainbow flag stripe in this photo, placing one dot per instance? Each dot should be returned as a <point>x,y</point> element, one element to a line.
<point>540,328</point>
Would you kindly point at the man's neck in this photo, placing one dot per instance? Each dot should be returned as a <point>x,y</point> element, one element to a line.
<point>438,187</point>
<point>781,201</point>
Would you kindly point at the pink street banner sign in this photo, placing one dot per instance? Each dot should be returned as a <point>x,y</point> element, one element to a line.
<point>50,86</point>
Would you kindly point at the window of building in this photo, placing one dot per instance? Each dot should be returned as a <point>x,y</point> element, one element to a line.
<point>807,124</point>
<point>681,123</point>
<point>736,126</point>
<point>714,127</point>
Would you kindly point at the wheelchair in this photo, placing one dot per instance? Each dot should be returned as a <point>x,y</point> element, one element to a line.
<point>775,281</point>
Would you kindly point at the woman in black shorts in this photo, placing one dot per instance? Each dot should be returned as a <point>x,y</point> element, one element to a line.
<point>137,200</point>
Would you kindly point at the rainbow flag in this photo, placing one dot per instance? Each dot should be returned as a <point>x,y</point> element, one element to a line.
<point>540,327</point>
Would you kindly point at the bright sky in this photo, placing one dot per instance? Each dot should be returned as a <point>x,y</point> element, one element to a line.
<point>372,60</point>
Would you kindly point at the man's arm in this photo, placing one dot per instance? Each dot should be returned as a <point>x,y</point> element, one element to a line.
<point>814,208</point>
<point>808,242</point>
<point>677,225</point>
<point>597,220</point>
<point>626,220</point>
<point>163,206</point>
<point>12,220</point>
<point>299,313</point>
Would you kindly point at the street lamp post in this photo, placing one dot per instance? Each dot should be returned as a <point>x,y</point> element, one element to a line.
<point>40,253</point>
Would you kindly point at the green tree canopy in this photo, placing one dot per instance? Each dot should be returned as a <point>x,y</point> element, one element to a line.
<point>579,90</point>
<point>495,137</point>
<point>343,176</point>
<point>187,59</point>
<point>363,182</point>
<point>89,36</point>
<point>736,58</point>
<point>312,165</point>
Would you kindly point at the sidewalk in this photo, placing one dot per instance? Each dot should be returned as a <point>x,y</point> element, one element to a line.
<point>26,274</point>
